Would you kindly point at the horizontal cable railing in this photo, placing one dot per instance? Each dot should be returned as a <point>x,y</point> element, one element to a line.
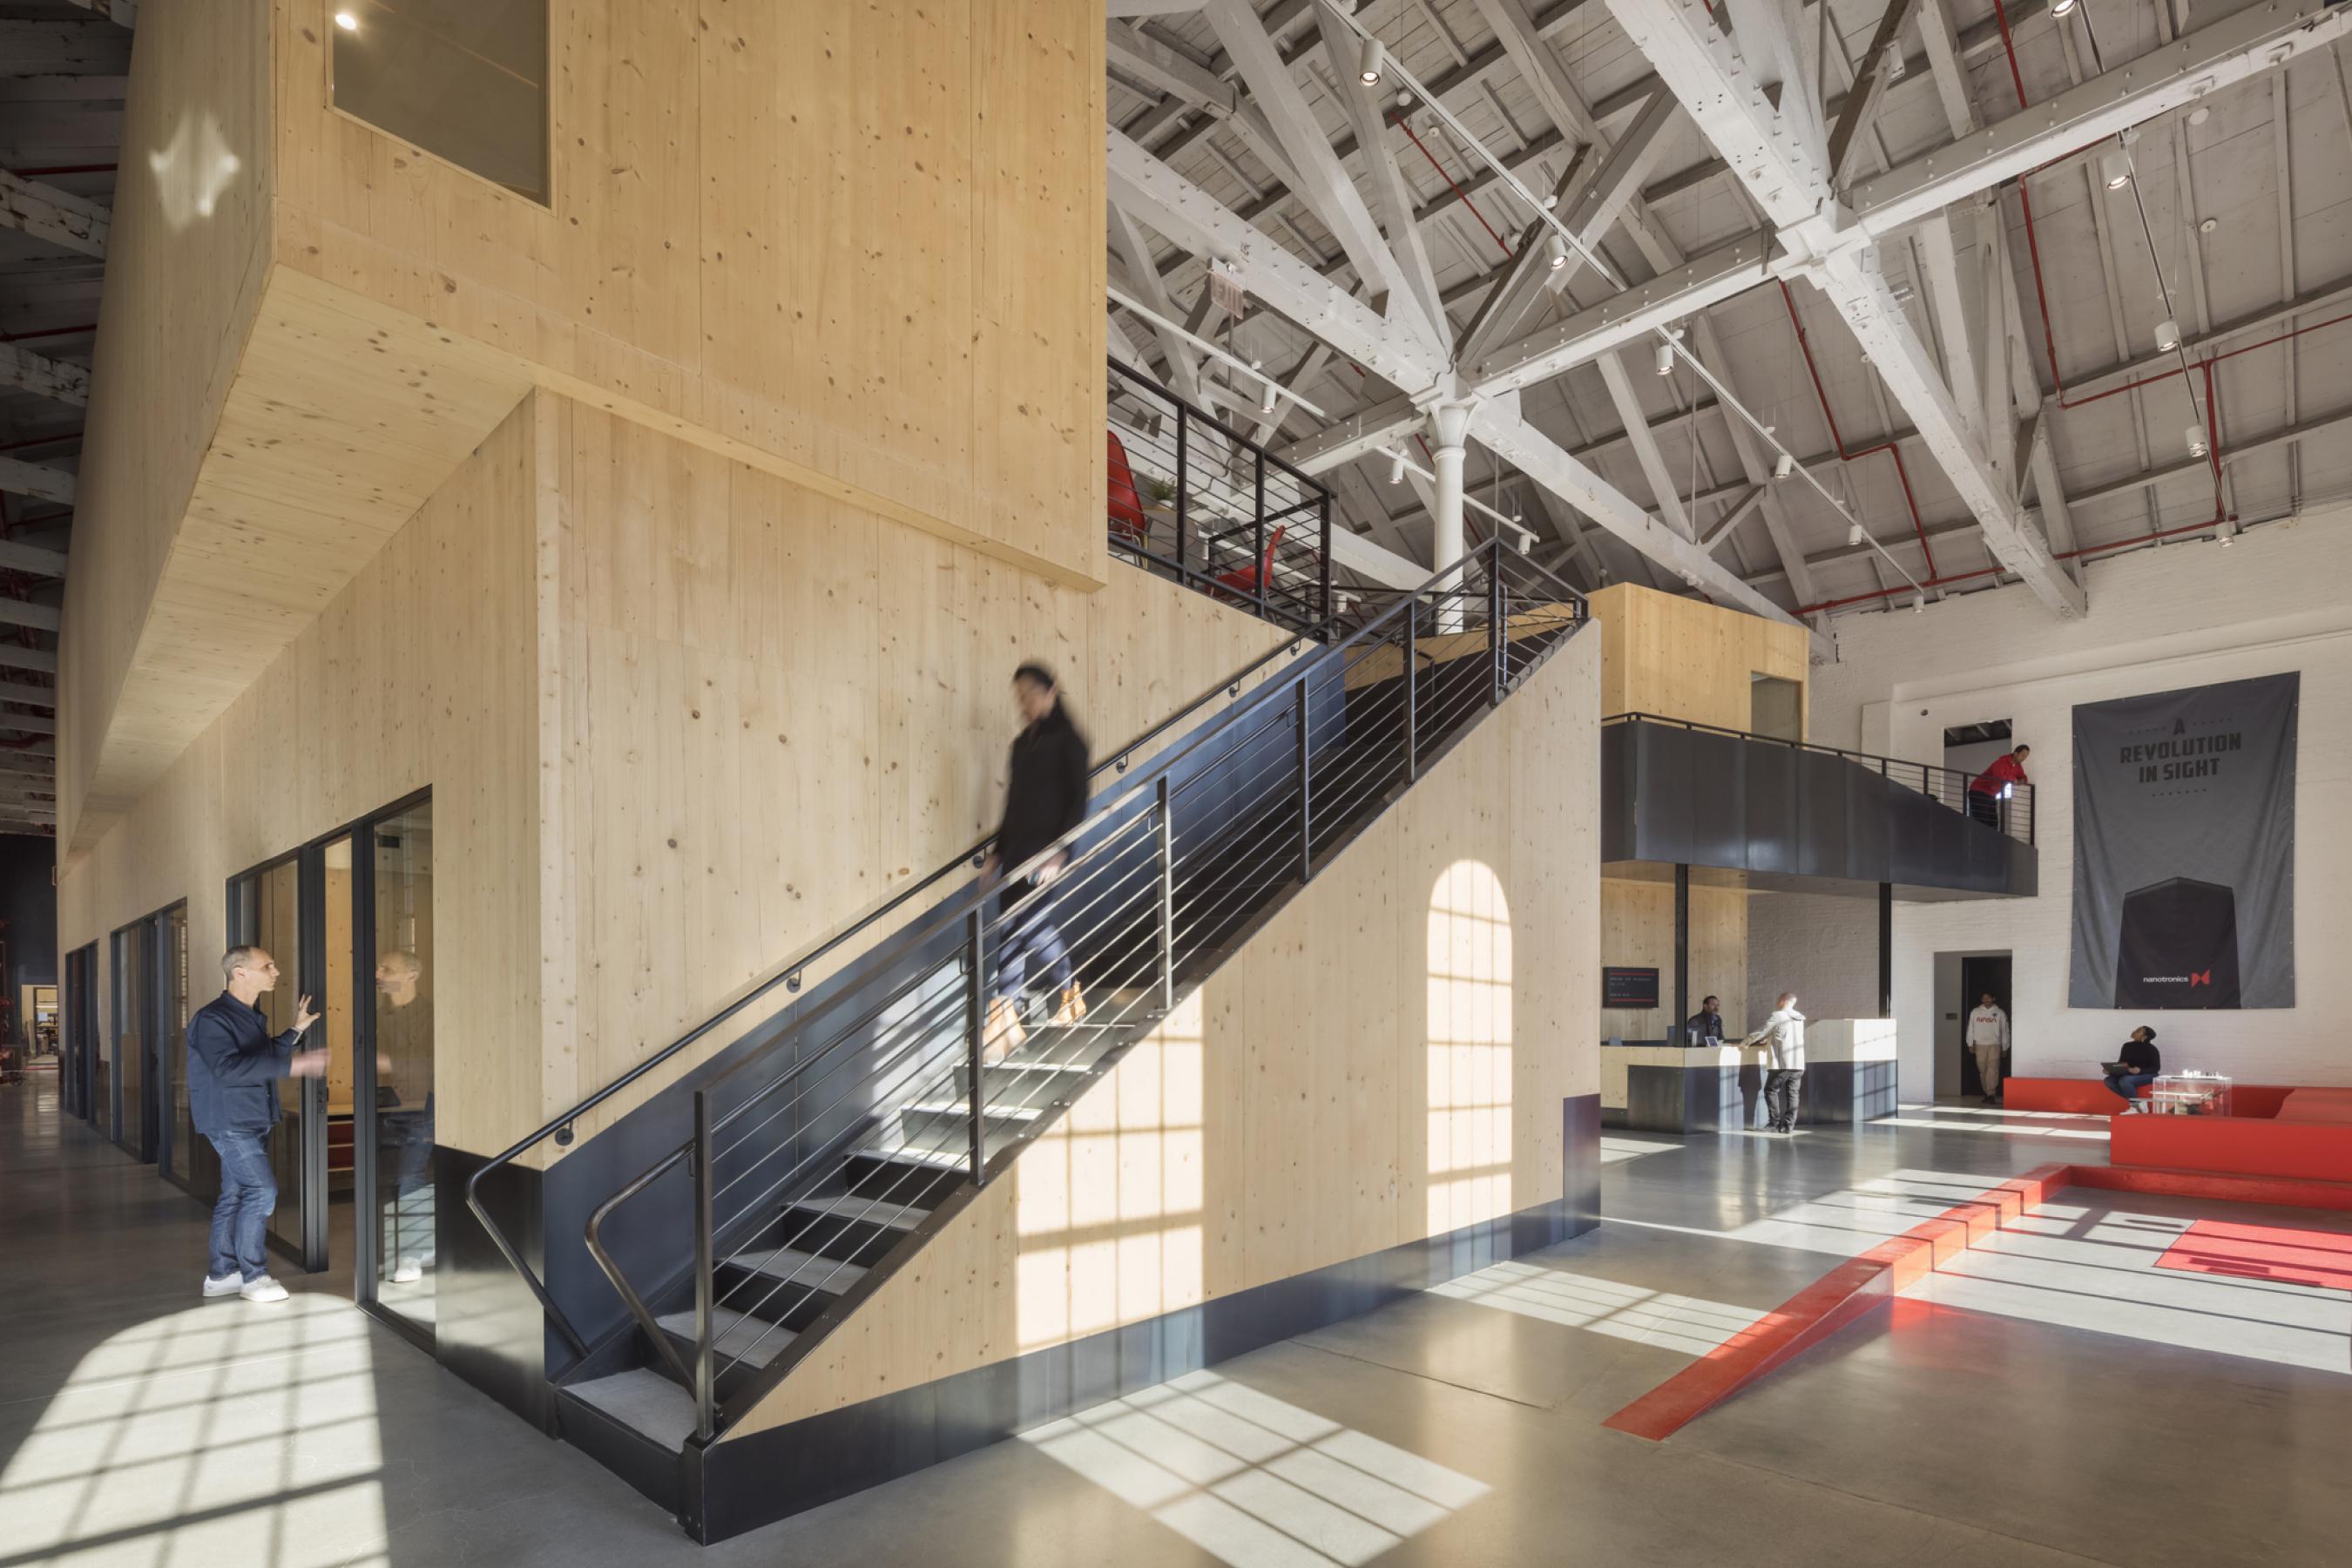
<point>788,978</point>
<point>814,1162</point>
<point>2007,808</point>
<point>1192,499</point>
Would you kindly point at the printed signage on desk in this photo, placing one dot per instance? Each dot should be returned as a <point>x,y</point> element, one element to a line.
<point>1629,988</point>
<point>2184,847</point>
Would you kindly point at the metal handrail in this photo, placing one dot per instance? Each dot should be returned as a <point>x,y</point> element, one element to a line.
<point>2024,791</point>
<point>1275,700</point>
<point>789,976</point>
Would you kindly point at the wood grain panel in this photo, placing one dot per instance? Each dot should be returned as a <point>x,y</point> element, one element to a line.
<point>1272,1126</point>
<point>187,251</point>
<point>865,239</point>
<point>1637,931</point>
<point>420,671</point>
<point>739,660</point>
<point>1684,658</point>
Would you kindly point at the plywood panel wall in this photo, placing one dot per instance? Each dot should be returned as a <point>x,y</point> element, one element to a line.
<point>1385,1061</point>
<point>186,250</point>
<point>423,671</point>
<point>769,712</point>
<point>1637,931</point>
<point>866,238</point>
<point>1686,658</point>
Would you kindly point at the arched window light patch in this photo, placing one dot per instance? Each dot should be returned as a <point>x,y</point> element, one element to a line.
<point>1469,1049</point>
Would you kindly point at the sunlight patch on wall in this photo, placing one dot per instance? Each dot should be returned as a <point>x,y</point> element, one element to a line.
<point>1252,1480</point>
<point>1469,1051</point>
<point>1108,1207</point>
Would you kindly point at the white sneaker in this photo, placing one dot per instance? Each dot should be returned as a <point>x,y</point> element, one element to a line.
<point>262,1289</point>
<point>227,1284</point>
<point>409,1272</point>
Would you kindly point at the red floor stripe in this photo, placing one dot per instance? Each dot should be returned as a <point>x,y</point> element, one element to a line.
<point>2284,1191</point>
<point>2321,1258</point>
<point>1831,1302</point>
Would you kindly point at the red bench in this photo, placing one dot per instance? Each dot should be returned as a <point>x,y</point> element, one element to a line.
<point>2081,1096</point>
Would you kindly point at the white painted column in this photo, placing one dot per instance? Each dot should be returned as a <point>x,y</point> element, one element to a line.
<point>1449,427</point>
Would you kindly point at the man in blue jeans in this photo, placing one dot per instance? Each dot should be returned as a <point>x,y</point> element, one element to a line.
<point>234,1066</point>
<point>2141,1063</point>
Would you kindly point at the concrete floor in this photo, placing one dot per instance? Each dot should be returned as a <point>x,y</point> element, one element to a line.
<point>2058,1401</point>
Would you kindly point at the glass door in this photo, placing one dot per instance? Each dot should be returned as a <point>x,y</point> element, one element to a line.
<point>135,1118</point>
<point>266,909</point>
<point>80,1023</point>
<point>400,1244</point>
<point>186,1158</point>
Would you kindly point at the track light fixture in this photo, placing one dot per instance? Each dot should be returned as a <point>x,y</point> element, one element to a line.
<point>1265,402</point>
<point>2062,7</point>
<point>1855,536</point>
<point>1919,603</point>
<point>1558,247</point>
<point>347,21</point>
<point>2197,441</point>
<point>1783,465</point>
<point>1665,359</point>
<point>2114,169</point>
<point>1371,60</point>
<point>2168,335</point>
<point>1396,469</point>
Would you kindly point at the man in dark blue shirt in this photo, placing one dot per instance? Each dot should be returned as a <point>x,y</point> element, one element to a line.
<point>234,1066</point>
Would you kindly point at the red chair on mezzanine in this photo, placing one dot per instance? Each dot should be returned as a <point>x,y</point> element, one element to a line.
<point>1128,524</point>
<point>1248,582</point>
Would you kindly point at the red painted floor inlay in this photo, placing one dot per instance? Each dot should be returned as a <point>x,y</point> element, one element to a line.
<point>2322,1258</point>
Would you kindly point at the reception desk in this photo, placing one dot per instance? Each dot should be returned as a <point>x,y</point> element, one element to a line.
<point>1849,1072</point>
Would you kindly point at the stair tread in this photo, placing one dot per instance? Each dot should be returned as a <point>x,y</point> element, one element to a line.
<point>740,1335</point>
<point>643,1401</point>
<point>896,1217</point>
<point>790,1265</point>
<point>957,1108</point>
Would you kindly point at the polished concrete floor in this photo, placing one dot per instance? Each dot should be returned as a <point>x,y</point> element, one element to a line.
<point>2059,1399</point>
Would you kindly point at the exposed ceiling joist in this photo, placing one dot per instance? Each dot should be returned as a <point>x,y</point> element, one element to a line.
<point>125,13</point>
<point>1773,153</point>
<point>1133,54</point>
<point>1324,187</point>
<point>31,558</point>
<point>54,379</point>
<point>48,213</point>
<point>1407,249</point>
<point>76,47</point>
<point>37,479</point>
<point>13,656</point>
<point>1885,57</point>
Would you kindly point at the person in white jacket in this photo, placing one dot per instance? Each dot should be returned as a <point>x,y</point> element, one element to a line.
<point>1988,1037</point>
<point>1783,1035</point>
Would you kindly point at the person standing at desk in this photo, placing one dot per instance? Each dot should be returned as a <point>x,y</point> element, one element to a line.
<point>1704,1024</point>
<point>1783,1035</point>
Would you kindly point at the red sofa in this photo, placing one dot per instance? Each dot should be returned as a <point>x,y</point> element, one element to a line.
<point>2301,1134</point>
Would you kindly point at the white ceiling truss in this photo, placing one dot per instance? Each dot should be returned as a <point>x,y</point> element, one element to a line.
<point>1880,239</point>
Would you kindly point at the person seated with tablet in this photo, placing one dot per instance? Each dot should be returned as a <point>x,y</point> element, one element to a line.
<point>2135,1066</point>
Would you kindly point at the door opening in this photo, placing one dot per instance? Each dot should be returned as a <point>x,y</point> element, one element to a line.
<point>1961,980</point>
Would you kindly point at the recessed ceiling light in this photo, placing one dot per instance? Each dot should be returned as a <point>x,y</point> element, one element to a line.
<point>2209,226</point>
<point>347,22</point>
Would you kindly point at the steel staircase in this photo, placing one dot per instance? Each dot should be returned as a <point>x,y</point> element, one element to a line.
<point>819,1163</point>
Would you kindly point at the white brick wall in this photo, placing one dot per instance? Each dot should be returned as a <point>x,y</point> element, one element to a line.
<point>2280,599</point>
<point>1823,947</point>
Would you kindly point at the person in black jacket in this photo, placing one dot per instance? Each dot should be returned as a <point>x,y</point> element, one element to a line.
<point>1704,1024</point>
<point>2144,1060</point>
<point>1044,799</point>
<point>234,1066</point>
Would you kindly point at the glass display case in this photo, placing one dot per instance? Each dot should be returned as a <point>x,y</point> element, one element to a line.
<point>2189,1094</point>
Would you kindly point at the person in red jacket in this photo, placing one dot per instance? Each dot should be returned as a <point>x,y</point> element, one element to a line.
<point>1985,789</point>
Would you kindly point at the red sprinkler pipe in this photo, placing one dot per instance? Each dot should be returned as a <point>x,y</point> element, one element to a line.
<point>1889,448</point>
